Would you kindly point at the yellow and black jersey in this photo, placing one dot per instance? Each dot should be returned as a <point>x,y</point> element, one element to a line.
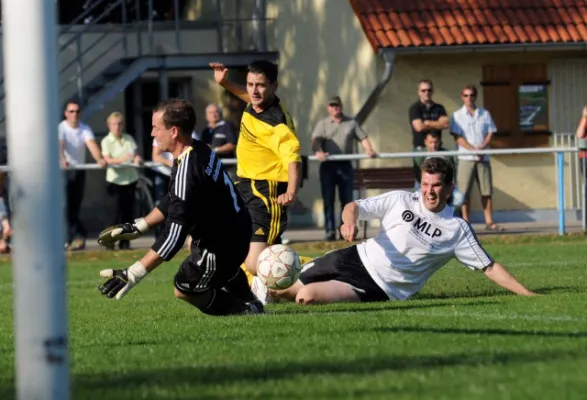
<point>267,144</point>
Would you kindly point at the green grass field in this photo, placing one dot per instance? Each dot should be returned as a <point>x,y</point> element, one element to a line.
<point>461,337</point>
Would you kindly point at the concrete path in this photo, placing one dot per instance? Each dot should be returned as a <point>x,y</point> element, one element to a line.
<point>314,235</point>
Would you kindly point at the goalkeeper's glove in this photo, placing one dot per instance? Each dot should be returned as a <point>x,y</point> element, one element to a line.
<point>120,281</point>
<point>126,231</point>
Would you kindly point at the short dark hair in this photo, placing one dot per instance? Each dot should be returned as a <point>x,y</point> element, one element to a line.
<point>264,67</point>
<point>75,102</point>
<point>426,81</point>
<point>179,113</point>
<point>470,87</point>
<point>439,165</point>
<point>434,134</point>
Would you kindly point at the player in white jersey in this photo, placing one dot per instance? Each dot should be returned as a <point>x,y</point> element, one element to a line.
<point>419,234</point>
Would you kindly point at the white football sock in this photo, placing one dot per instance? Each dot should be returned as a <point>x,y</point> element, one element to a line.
<point>260,290</point>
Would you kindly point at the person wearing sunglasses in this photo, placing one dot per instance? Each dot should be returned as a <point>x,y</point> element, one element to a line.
<point>74,137</point>
<point>473,128</point>
<point>425,116</point>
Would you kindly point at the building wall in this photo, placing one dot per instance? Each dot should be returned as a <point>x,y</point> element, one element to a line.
<point>323,52</point>
<point>522,182</point>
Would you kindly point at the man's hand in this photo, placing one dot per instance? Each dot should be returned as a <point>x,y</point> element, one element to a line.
<point>286,198</point>
<point>320,155</point>
<point>349,231</point>
<point>120,281</point>
<point>102,163</point>
<point>64,163</point>
<point>220,72</point>
<point>127,231</point>
<point>371,153</point>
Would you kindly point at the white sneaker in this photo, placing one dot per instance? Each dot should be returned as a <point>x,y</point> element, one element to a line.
<point>260,291</point>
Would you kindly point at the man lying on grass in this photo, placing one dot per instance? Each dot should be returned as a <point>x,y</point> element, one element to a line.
<point>419,234</point>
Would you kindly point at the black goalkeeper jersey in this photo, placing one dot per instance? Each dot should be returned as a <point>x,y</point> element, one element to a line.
<point>202,202</point>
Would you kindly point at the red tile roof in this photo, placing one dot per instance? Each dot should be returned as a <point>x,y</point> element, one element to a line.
<point>424,23</point>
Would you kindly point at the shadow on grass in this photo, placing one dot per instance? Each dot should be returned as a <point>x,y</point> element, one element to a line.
<point>163,382</point>
<point>486,332</point>
<point>559,289</point>
<point>229,375</point>
<point>373,307</point>
<point>484,293</point>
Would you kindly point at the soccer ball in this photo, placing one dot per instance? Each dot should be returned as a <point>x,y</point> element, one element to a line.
<point>279,266</point>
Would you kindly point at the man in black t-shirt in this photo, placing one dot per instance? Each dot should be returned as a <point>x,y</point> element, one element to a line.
<point>426,116</point>
<point>220,135</point>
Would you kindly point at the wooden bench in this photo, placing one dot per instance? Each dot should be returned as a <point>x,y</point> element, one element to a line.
<point>390,178</point>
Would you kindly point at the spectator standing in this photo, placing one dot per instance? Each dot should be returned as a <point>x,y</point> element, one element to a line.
<point>425,116</point>
<point>74,137</point>
<point>473,129</point>
<point>120,148</point>
<point>220,135</point>
<point>332,136</point>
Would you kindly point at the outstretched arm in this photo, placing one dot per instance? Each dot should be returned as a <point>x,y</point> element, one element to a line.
<point>220,72</point>
<point>498,274</point>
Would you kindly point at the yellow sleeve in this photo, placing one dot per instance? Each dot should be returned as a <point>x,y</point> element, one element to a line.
<point>285,144</point>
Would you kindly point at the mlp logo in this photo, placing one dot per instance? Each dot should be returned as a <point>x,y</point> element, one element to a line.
<point>421,225</point>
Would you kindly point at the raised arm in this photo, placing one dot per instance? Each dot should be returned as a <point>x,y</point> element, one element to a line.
<point>220,72</point>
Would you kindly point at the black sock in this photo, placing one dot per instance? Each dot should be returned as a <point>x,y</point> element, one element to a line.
<point>222,303</point>
<point>238,286</point>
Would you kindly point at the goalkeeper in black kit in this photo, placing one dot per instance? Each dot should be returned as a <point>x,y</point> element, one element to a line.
<point>202,202</point>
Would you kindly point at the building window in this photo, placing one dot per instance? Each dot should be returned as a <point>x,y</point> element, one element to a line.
<point>533,102</point>
<point>517,98</point>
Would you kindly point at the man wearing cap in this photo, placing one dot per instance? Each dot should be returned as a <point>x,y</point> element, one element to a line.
<point>335,135</point>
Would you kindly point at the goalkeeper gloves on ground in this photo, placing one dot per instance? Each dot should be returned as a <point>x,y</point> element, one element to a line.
<point>126,231</point>
<point>120,281</point>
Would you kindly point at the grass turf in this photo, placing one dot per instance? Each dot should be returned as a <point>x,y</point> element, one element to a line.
<point>461,337</point>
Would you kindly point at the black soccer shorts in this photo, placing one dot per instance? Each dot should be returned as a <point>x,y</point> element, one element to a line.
<point>344,265</point>
<point>269,218</point>
<point>205,268</point>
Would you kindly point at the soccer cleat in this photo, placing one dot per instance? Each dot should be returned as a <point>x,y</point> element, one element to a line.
<point>255,307</point>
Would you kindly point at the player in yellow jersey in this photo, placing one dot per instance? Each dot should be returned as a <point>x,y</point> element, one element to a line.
<point>268,155</point>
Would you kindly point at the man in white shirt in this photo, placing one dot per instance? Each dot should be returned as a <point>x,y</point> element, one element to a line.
<point>473,128</point>
<point>74,136</point>
<point>419,234</point>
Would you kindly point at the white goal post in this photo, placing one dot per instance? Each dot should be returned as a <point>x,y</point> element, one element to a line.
<point>38,259</point>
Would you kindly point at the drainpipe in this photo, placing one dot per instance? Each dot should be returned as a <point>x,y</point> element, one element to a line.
<point>371,102</point>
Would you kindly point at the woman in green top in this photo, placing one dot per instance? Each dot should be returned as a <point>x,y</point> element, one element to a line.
<point>120,148</point>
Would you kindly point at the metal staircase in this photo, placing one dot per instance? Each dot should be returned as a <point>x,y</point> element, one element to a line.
<point>98,60</point>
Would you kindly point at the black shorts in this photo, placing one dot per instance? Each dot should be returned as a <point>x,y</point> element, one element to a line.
<point>269,218</point>
<point>346,266</point>
<point>205,269</point>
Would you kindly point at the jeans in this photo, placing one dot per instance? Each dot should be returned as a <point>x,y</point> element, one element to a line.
<point>75,185</point>
<point>125,196</point>
<point>333,174</point>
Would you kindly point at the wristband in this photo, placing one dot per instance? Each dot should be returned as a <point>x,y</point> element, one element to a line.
<point>142,225</point>
<point>138,270</point>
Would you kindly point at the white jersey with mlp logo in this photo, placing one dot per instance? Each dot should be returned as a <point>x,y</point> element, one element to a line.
<point>414,243</point>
